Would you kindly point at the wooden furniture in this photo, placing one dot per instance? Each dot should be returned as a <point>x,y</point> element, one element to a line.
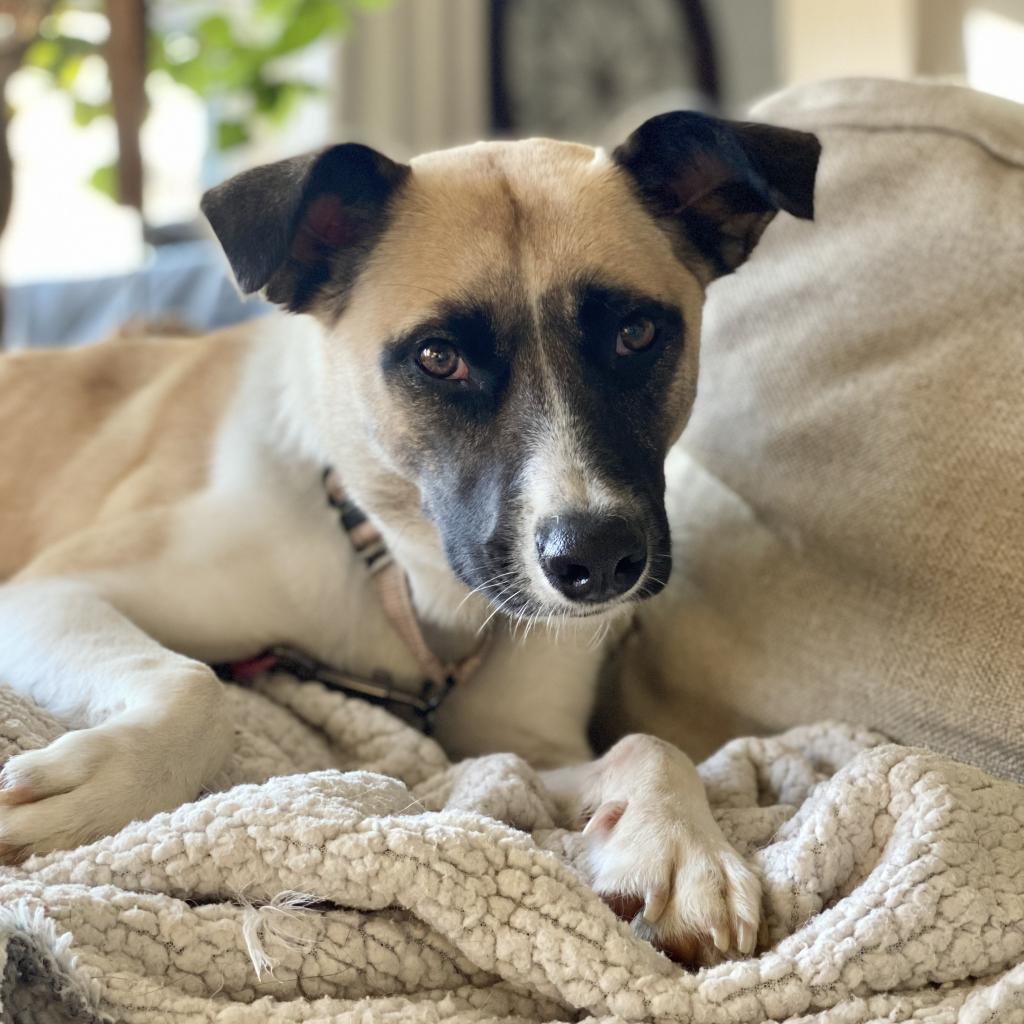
<point>126,62</point>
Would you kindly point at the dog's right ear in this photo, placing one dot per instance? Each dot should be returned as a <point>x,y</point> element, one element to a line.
<point>293,226</point>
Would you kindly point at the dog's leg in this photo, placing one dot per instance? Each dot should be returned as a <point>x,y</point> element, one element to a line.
<point>656,853</point>
<point>153,728</point>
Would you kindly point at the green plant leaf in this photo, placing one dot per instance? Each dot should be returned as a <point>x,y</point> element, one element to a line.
<point>43,53</point>
<point>312,21</point>
<point>68,71</point>
<point>231,133</point>
<point>275,8</point>
<point>86,113</point>
<point>104,179</point>
<point>215,32</point>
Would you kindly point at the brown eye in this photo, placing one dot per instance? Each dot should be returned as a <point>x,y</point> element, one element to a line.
<point>635,335</point>
<point>441,359</point>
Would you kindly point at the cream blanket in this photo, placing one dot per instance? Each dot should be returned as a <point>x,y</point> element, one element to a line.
<point>348,872</point>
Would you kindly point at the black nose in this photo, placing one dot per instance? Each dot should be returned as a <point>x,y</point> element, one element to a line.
<point>591,558</point>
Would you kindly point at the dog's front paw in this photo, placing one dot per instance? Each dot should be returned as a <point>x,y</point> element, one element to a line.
<point>683,887</point>
<point>88,784</point>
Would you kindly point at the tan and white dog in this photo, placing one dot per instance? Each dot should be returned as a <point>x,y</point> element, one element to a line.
<point>495,348</point>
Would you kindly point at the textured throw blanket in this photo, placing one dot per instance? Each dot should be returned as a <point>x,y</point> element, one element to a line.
<point>347,872</point>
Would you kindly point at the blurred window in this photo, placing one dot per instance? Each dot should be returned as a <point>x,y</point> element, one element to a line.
<point>994,48</point>
<point>64,144</point>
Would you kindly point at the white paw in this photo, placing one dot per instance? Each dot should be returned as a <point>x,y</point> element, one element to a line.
<point>679,883</point>
<point>89,784</point>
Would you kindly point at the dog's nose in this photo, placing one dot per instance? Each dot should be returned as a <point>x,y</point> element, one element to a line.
<point>591,558</point>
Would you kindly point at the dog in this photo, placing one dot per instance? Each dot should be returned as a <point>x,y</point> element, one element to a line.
<point>491,350</point>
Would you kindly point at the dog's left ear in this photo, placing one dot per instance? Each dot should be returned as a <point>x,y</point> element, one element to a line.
<point>717,184</point>
<point>293,226</point>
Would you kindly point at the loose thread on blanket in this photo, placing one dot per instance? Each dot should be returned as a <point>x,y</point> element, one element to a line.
<point>269,922</point>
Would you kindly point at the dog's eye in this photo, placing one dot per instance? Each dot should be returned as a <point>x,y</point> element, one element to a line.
<point>636,334</point>
<point>441,359</point>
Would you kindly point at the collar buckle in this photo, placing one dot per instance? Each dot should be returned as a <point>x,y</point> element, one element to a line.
<point>433,695</point>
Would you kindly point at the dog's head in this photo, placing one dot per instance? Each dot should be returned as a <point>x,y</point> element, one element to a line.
<point>512,332</point>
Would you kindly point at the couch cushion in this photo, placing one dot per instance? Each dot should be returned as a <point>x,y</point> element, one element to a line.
<point>848,501</point>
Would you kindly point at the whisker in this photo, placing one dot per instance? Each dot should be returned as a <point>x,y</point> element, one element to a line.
<point>492,582</point>
<point>504,602</point>
<point>531,621</point>
<point>509,600</point>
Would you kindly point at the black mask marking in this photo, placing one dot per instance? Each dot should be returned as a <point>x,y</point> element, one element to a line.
<point>470,440</point>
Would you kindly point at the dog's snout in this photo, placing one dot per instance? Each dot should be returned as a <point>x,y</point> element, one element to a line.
<point>591,558</point>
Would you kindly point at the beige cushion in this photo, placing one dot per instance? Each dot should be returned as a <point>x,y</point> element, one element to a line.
<point>849,497</point>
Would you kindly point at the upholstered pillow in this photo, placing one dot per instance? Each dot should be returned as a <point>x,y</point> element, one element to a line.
<point>848,500</point>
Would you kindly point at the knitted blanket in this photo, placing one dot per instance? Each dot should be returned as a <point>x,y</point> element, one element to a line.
<point>344,870</point>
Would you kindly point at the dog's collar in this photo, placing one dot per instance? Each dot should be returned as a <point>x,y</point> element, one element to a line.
<point>392,588</point>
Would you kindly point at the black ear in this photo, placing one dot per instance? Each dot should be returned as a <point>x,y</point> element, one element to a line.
<point>717,183</point>
<point>293,226</point>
